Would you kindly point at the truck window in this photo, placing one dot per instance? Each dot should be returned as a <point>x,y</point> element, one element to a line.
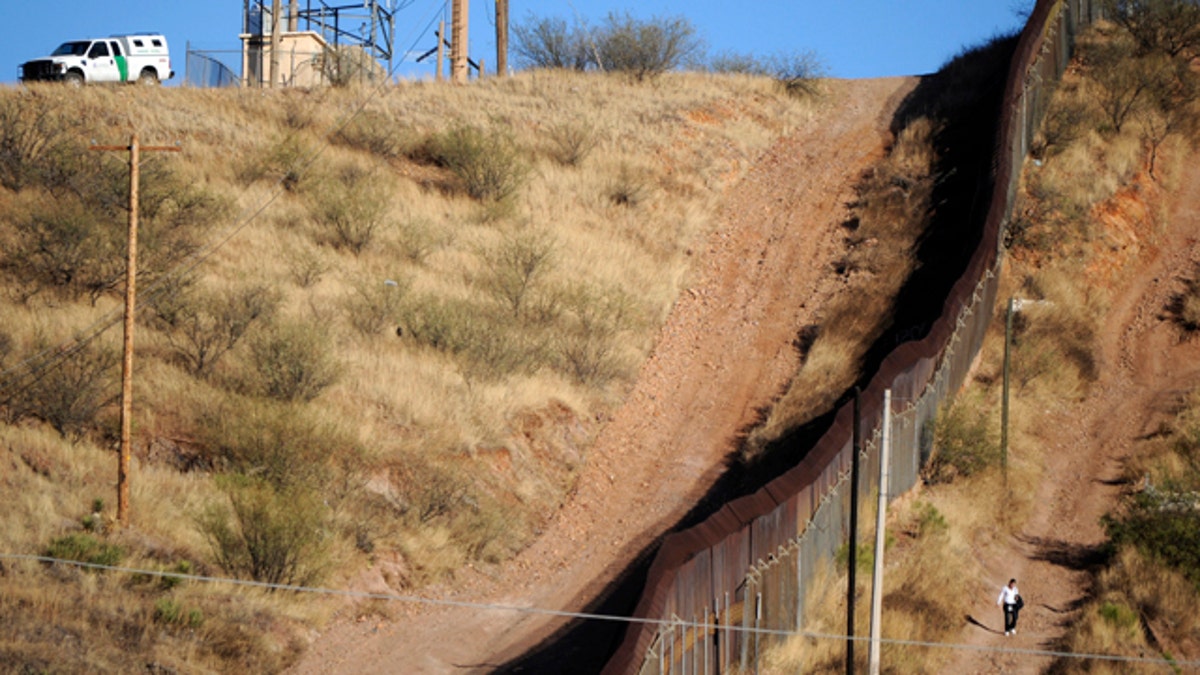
<point>137,43</point>
<point>98,50</point>
<point>116,47</point>
<point>156,42</point>
<point>71,49</point>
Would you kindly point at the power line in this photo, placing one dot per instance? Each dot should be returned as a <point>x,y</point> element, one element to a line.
<point>589,616</point>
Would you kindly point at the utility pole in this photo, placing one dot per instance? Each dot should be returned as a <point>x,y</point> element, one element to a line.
<point>441,49</point>
<point>1008,322</point>
<point>275,10</point>
<point>134,150</point>
<point>885,451</point>
<point>502,37</point>
<point>852,572</point>
<point>458,42</point>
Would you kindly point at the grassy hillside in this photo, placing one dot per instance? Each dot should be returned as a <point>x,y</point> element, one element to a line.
<point>377,328</point>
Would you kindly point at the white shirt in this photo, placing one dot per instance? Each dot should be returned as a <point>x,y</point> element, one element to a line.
<point>1008,595</point>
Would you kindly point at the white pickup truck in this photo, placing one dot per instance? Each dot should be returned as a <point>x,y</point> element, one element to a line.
<point>142,58</point>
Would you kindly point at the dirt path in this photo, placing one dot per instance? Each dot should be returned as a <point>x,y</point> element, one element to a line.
<point>1143,369</point>
<point>725,351</point>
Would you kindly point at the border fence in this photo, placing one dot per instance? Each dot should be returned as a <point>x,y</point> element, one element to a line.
<point>715,588</point>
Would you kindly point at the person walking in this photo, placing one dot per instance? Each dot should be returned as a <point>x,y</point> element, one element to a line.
<point>1010,598</point>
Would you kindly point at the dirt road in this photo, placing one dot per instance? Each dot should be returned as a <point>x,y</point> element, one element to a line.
<point>1144,368</point>
<point>725,350</point>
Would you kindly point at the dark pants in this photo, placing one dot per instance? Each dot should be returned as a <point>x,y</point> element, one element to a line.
<point>1010,617</point>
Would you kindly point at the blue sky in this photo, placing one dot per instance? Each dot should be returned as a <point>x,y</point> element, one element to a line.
<point>853,38</point>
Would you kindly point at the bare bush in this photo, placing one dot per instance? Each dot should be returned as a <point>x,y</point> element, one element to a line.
<point>588,350</point>
<point>373,132</point>
<point>1171,27</point>
<point>645,48</point>
<point>550,43</point>
<point>66,391</point>
<point>202,327</point>
<point>516,266</point>
<point>33,138</point>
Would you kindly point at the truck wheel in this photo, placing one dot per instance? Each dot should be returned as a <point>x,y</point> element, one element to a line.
<point>148,76</point>
<point>73,79</point>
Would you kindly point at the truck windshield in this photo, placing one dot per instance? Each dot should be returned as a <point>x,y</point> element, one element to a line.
<point>72,49</point>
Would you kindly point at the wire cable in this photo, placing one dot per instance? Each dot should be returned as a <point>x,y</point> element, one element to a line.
<point>589,616</point>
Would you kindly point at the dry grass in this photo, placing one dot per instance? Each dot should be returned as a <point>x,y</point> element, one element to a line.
<point>434,456</point>
<point>924,600</point>
<point>889,215</point>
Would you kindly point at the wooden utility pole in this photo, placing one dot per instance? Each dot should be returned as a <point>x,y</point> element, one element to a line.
<point>294,16</point>
<point>134,150</point>
<point>502,37</point>
<point>458,42</point>
<point>275,10</point>
<point>441,49</point>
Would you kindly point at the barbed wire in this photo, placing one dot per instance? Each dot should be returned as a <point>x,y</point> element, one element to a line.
<point>591,616</point>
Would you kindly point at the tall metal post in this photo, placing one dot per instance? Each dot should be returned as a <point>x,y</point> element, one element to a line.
<point>885,452</point>
<point>1008,321</point>
<point>458,42</point>
<point>134,149</point>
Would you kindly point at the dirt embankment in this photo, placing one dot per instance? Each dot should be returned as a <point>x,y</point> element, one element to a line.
<point>1144,367</point>
<point>725,351</point>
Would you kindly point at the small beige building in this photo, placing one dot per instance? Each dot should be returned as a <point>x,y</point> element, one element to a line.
<point>301,55</point>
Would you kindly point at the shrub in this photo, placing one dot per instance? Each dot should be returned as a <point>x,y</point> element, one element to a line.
<point>738,64</point>
<point>67,390</point>
<point>571,142</point>
<point>796,72</point>
<point>85,548</point>
<point>1171,27</point>
<point>343,65</point>
<point>287,161</point>
<point>272,537</point>
<point>1162,524</point>
<point>373,306</point>
<point>202,327</point>
<point>420,237</point>
<point>588,350</point>
<point>373,132</point>
<point>516,266</point>
<point>34,138</point>
<point>488,163</point>
<point>350,209</point>
<point>963,445</point>
<point>294,361</point>
<point>645,48</point>
<point>59,244</point>
<point>1185,306</point>
<point>279,444</point>
<point>629,188</point>
<point>550,43</point>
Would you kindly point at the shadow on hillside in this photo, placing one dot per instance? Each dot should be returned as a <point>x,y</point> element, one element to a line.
<point>965,96</point>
